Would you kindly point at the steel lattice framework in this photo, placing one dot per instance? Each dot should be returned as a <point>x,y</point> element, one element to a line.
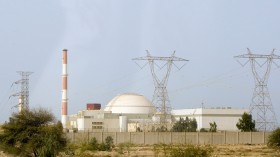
<point>160,97</point>
<point>261,106</point>
<point>24,85</point>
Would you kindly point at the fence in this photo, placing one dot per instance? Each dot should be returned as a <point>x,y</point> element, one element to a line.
<point>149,138</point>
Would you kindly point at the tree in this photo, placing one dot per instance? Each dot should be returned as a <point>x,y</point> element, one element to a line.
<point>213,127</point>
<point>246,123</point>
<point>185,125</point>
<point>33,133</point>
<point>203,130</point>
<point>274,139</point>
<point>161,129</point>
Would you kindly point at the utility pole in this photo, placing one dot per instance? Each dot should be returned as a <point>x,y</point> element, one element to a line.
<point>261,106</point>
<point>23,95</point>
<point>160,97</point>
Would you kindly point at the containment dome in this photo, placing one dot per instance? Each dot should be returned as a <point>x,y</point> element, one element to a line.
<point>130,103</point>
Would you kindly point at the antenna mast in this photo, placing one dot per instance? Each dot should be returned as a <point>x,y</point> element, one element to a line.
<point>261,106</point>
<point>160,98</point>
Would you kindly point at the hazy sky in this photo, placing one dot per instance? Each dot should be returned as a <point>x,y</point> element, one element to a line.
<point>103,36</point>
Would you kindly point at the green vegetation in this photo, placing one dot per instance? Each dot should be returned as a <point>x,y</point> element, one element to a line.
<point>246,123</point>
<point>162,129</point>
<point>124,147</point>
<point>109,144</point>
<point>213,127</point>
<point>1,129</point>
<point>33,133</point>
<point>203,130</point>
<point>274,139</point>
<point>182,150</point>
<point>191,151</point>
<point>93,145</point>
<point>185,125</point>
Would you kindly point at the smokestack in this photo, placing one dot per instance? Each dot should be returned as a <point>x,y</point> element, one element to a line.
<point>64,102</point>
<point>20,103</point>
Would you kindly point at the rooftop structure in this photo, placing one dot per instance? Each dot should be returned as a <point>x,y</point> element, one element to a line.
<point>130,103</point>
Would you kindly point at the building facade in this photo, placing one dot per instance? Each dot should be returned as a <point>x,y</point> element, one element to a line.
<point>225,117</point>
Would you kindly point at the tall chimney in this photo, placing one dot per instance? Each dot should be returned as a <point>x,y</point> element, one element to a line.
<point>64,102</point>
<point>20,103</point>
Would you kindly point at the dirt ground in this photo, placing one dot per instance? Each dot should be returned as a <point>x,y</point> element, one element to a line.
<point>218,151</point>
<point>244,150</point>
<point>2,154</point>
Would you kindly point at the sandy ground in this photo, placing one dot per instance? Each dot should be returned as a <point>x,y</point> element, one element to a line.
<point>2,154</point>
<point>219,151</point>
<point>244,150</point>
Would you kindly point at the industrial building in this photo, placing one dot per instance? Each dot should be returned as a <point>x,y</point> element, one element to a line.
<point>131,112</point>
<point>225,117</point>
<point>125,112</point>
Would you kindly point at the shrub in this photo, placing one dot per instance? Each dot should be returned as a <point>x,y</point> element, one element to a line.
<point>182,150</point>
<point>70,150</point>
<point>109,143</point>
<point>103,147</point>
<point>161,148</point>
<point>191,151</point>
<point>274,139</point>
<point>124,147</point>
<point>93,144</point>
<point>203,130</point>
<point>185,125</point>
<point>109,140</point>
<point>156,149</point>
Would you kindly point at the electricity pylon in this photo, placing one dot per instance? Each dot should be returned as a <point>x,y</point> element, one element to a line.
<point>160,97</point>
<point>261,106</point>
<point>23,95</point>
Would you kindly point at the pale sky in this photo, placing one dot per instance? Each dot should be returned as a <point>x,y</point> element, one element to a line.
<point>102,37</point>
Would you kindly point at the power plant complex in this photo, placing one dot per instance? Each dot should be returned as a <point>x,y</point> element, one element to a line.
<point>132,112</point>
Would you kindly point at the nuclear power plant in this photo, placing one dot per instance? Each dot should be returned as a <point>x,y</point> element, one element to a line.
<point>132,112</point>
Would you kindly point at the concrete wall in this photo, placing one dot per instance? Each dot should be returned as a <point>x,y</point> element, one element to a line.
<point>150,138</point>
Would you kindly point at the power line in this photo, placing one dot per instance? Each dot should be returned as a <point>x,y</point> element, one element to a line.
<point>23,95</point>
<point>261,106</point>
<point>160,98</point>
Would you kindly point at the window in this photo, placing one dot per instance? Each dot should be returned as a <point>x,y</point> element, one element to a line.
<point>97,123</point>
<point>96,127</point>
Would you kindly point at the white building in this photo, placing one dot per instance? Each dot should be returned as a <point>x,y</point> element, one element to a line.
<point>125,112</point>
<point>133,112</point>
<point>225,117</point>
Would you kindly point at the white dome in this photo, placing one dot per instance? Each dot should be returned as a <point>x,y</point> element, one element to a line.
<point>130,104</point>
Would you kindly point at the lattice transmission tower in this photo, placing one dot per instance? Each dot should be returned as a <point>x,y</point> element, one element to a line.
<point>261,107</point>
<point>23,94</point>
<point>160,97</point>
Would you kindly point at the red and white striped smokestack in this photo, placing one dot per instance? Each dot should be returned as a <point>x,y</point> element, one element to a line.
<point>64,102</point>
